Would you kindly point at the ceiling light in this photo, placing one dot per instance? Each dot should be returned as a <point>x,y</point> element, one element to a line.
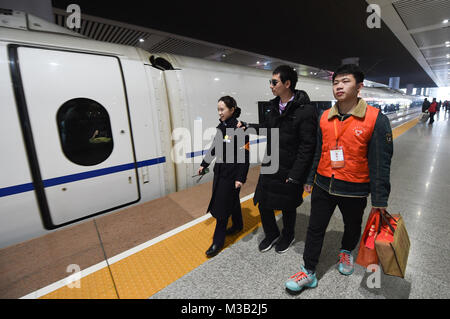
<point>265,63</point>
<point>445,21</point>
<point>224,55</point>
<point>257,62</point>
<point>141,40</point>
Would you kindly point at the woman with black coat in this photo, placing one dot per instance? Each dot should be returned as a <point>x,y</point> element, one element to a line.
<point>230,172</point>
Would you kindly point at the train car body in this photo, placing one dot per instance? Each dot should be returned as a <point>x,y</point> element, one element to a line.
<point>87,127</point>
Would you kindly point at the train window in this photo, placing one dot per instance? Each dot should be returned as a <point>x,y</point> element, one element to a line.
<point>85,131</point>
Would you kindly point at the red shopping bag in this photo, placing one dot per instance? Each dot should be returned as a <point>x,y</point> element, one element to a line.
<point>367,254</point>
<point>387,230</point>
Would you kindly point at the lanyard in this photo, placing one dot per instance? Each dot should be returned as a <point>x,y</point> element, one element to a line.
<point>344,128</point>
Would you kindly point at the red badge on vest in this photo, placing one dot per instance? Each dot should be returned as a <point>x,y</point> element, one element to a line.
<point>358,130</point>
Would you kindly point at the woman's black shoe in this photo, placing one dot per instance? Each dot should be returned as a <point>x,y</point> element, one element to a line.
<point>232,230</point>
<point>213,250</point>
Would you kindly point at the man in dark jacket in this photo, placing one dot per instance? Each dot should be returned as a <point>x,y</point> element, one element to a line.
<point>425,105</point>
<point>296,122</point>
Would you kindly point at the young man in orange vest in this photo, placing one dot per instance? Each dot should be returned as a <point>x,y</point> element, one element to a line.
<point>352,159</point>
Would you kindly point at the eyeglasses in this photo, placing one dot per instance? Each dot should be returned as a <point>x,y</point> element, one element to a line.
<point>273,82</point>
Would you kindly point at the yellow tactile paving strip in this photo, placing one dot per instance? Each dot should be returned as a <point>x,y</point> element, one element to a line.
<point>146,272</point>
<point>97,285</point>
<point>150,270</point>
<point>399,130</point>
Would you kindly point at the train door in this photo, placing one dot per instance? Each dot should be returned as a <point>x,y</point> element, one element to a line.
<point>75,121</point>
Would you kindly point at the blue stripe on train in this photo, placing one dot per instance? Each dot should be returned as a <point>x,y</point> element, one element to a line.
<point>17,189</point>
<point>7,191</point>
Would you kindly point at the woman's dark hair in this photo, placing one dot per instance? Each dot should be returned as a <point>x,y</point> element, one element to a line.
<point>350,69</point>
<point>230,102</point>
<point>287,73</point>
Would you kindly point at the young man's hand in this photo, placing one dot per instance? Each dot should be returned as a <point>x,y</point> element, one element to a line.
<point>382,209</point>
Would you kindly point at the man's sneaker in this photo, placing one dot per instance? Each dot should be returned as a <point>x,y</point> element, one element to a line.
<point>346,266</point>
<point>283,244</point>
<point>267,243</point>
<point>300,280</point>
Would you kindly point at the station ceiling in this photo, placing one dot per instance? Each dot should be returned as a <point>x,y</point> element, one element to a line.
<point>312,33</point>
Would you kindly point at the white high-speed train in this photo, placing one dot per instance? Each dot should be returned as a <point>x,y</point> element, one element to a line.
<point>86,126</point>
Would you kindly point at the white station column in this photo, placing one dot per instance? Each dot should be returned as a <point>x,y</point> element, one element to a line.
<point>394,82</point>
<point>409,88</point>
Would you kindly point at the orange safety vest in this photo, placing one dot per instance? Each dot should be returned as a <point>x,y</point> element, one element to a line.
<point>354,140</point>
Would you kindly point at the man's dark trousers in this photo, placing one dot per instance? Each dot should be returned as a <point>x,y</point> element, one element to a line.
<point>322,207</point>
<point>432,117</point>
<point>270,225</point>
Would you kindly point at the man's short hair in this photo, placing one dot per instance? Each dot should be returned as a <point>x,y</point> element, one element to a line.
<point>287,73</point>
<point>350,69</point>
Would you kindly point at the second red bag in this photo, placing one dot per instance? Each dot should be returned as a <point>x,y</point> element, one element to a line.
<point>367,254</point>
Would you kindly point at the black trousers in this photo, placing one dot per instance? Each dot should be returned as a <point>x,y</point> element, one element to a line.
<point>322,208</point>
<point>270,224</point>
<point>432,117</point>
<point>221,224</point>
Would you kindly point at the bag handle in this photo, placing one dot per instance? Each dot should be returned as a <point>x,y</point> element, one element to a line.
<point>389,215</point>
<point>385,219</point>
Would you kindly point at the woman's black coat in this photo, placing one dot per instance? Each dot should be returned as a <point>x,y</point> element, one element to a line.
<point>297,140</point>
<point>225,196</point>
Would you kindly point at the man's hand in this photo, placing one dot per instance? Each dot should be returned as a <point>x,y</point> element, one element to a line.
<point>239,125</point>
<point>200,170</point>
<point>382,209</point>
<point>307,188</point>
<point>237,184</point>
